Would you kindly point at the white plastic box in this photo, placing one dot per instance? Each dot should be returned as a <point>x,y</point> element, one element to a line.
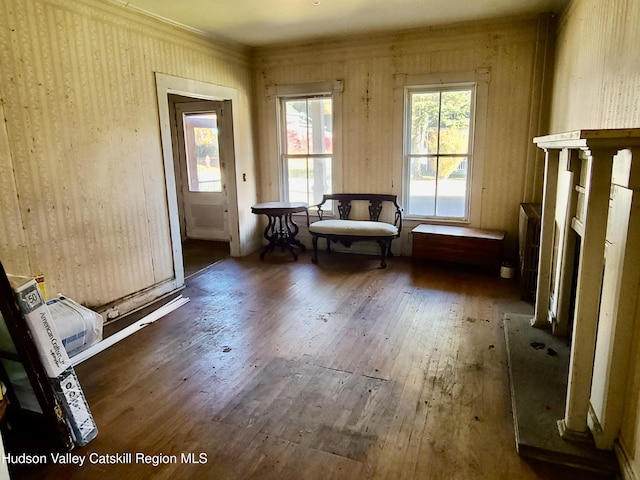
<point>78,327</point>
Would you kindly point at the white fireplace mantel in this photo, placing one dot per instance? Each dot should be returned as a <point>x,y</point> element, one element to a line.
<point>589,173</point>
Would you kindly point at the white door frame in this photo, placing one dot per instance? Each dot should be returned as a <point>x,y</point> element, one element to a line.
<point>168,84</point>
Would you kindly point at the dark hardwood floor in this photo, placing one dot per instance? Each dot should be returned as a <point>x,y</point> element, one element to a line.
<point>289,370</point>
<point>199,254</point>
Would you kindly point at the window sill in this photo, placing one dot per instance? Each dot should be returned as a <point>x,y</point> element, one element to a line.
<point>436,221</point>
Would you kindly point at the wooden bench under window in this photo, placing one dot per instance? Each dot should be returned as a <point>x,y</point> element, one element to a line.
<point>461,245</point>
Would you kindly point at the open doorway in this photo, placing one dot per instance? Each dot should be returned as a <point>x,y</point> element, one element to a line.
<point>200,137</point>
<point>223,226</point>
<point>200,254</point>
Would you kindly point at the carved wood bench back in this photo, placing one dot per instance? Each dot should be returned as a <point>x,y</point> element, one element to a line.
<point>375,205</point>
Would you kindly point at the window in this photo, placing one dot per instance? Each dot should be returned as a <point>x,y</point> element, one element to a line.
<point>202,151</point>
<point>307,125</point>
<point>306,136</point>
<point>438,150</point>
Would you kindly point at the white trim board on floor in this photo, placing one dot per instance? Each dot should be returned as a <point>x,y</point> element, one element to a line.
<point>130,330</point>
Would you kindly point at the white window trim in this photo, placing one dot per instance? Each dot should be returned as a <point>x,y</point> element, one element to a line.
<point>402,82</point>
<point>274,93</point>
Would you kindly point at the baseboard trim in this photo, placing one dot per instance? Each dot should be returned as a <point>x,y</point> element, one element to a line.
<point>627,471</point>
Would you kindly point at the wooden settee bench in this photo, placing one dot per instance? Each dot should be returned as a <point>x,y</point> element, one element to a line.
<point>349,227</point>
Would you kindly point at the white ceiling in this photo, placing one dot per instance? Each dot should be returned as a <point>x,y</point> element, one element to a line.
<point>263,22</point>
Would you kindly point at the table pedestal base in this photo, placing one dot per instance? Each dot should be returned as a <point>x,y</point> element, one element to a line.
<point>281,233</point>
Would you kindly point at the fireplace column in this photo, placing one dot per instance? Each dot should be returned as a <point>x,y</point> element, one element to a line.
<point>547,221</point>
<point>591,225</point>
<point>618,306</point>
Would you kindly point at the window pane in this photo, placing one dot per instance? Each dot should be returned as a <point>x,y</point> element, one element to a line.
<point>452,187</point>
<point>455,114</point>
<point>438,186</point>
<point>309,126</point>
<point>422,186</point>
<point>308,179</point>
<point>320,138</point>
<point>425,112</point>
<point>296,121</point>
<point>297,175</point>
<point>202,151</point>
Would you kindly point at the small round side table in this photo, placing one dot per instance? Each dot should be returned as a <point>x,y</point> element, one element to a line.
<point>282,230</point>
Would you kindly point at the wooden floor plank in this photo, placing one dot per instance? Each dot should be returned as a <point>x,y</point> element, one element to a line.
<point>289,370</point>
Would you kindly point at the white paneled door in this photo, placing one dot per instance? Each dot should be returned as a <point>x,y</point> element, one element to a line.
<point>202,147</point>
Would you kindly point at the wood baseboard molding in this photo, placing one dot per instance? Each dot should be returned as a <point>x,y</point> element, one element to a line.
<point>136,301</point>
<point>627,470</point>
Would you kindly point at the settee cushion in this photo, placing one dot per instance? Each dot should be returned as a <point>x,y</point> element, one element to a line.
<point>356,228</point>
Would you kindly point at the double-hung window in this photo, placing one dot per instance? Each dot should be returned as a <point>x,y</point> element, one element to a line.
<point>307,125</point>
<point>438,150</point>
<point>306,146</point>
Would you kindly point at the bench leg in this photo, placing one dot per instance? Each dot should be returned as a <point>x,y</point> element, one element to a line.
<point>314,241</point>
<point>384,245</point>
